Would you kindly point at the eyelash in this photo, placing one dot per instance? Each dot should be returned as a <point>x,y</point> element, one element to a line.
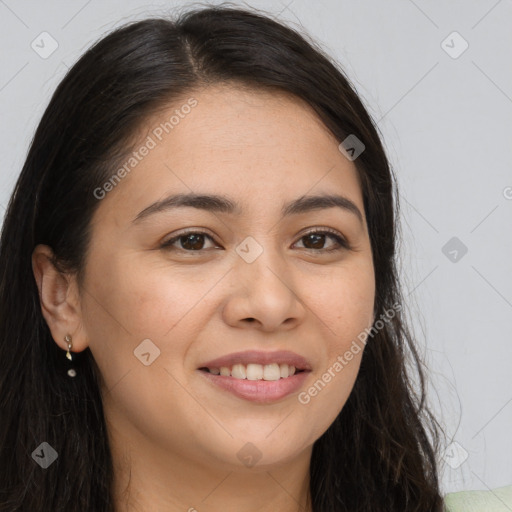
<point>342,242</point>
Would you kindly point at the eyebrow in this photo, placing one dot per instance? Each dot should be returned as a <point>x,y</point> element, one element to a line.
<point>223,204</point>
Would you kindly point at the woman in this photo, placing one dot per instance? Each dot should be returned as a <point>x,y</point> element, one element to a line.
<point>199,304</point>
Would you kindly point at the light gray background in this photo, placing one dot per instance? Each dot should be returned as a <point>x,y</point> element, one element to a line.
<point>446,124</point>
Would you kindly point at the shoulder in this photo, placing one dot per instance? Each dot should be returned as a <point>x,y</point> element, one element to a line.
<point>494,500</point>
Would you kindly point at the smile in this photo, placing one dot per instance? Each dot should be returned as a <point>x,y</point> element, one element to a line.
<point>254,371</point>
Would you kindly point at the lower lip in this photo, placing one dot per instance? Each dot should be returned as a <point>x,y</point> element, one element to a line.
<point>260,391</point>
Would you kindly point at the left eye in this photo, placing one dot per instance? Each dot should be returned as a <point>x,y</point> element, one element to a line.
<point>194,241</point>
<point>318,238</point>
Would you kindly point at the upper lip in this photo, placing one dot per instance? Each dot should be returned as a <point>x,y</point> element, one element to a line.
<point>259,357</point>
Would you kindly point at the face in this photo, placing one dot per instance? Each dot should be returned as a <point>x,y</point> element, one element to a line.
<point>169,290</point>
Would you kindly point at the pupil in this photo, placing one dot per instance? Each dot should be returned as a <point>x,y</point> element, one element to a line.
<point>196,246</point>
<point>318,240</point>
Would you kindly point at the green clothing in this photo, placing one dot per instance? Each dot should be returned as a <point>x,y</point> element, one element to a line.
<point>495,500</point>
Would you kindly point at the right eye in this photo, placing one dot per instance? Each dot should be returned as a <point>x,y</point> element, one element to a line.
<point>190,241</point>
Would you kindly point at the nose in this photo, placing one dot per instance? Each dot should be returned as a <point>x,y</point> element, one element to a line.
<point>263,294</point>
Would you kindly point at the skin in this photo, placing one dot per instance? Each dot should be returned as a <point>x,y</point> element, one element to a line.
<point>178,434</point>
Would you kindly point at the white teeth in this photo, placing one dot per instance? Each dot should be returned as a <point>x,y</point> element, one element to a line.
<point>271,372</point>
<point>238,371</point>
<point>254,371</point>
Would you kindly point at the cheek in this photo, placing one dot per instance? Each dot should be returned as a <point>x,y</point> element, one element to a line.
<point>140,300</point>
<point>126,306</point>
<point>343,300</point>
<point>128,300</point>
<point>123,306</point>
<point>344,307</point>
<point>328,390</point>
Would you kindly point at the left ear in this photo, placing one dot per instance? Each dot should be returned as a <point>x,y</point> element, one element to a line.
<point>59,299</point>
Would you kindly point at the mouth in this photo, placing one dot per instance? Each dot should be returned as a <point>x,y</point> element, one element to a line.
<point>254,371</point>
<point>256,376</point>
<point>257,365</point>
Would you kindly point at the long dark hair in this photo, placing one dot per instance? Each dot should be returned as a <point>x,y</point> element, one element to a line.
<point>381,452</point>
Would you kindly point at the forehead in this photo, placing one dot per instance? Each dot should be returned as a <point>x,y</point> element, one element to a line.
<point>262,147</point>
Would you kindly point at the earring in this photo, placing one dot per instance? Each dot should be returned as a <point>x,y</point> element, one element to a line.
<point>68,340</point>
